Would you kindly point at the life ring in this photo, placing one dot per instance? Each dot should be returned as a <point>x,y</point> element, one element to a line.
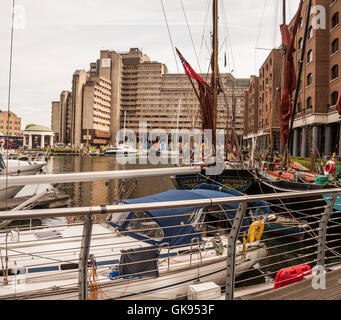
<point>255,231</point>
<point>329,168</point>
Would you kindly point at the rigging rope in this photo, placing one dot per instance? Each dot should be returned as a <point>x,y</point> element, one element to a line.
<point>228,43</point>
<point>170,36</point>
<point>259,30</point>
<point>190,34</point>
<point>9,97</point>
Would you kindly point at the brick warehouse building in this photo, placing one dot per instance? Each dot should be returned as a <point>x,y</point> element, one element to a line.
<point>316,122</point>
<point>263,101</point>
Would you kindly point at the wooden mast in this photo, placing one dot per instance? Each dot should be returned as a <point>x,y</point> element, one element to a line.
<point>285,151</point>
<point>215,70</point>
<point>270,120</point>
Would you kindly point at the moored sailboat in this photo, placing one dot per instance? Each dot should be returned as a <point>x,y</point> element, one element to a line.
<point>153,254</point>
<point>233,177</point>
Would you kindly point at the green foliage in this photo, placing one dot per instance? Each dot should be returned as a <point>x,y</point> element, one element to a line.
<point>30,125</point>
<point>306,161</point>
<point>57,150</point>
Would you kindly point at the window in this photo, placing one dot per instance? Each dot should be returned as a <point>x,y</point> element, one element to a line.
<point>300,42</point>
<point>335,72</point>
<point>310,35</point>
<point>299,107</point>
<point>334,98</point>
<point>310,56</point>
<point>309,103</point>
<point>309,79</point>
<point>142,224</point>
<point>335,45</point>
<point>335,20</point>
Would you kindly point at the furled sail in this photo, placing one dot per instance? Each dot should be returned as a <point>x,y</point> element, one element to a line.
<point>205,95</point>
<point>288,38</point>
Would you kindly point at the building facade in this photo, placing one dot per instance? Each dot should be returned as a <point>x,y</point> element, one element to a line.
<point>10,124</point>
<point>316,126</point>
<point>262,104</point>
<point>317,122</point>
<point>123,89</point>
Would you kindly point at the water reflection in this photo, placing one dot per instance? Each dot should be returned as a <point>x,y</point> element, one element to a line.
<point>105,192</point>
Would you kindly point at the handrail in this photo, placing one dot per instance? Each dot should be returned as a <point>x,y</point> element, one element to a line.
<point>83,211</point>
<point>96,175</point>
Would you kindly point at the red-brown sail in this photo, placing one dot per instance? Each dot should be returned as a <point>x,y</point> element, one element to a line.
<point>205,95</point>
<point>289,76</point>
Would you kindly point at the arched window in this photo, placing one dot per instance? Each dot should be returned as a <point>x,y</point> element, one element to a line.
<point>334,98</point>
<point>310,56</point>
<point>335,45</point>
<point>309,79</point>
<point>310,35</point>
<point>335,20</point>
<point>309,103</point>
<point>335,72</point>
<point>300,43</point>
<point>299,107</point>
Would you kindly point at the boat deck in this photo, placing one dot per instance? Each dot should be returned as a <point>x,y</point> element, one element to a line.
<point>302,290</point>
<point>47,201</point>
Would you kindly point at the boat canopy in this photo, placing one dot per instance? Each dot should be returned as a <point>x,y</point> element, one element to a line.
<point>174,226</point>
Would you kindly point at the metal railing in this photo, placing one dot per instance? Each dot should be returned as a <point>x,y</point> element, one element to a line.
<point>315,242</point>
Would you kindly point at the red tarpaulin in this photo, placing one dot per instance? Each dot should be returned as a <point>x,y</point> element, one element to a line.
<point>289,76</point>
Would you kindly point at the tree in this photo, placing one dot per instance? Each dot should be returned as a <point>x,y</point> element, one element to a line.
<point>30,125</point>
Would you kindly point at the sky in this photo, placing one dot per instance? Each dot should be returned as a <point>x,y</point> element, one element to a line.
<point>54,38</point>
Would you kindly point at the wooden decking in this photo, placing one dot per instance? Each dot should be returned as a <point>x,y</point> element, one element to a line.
<point>303,290</point>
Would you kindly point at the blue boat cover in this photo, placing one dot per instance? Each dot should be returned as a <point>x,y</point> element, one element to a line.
<point>176,228</point>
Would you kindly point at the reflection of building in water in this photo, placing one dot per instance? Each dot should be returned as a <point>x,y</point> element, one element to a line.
<point>99,192</point>
<point>76,167</point>
<point>94,193</point>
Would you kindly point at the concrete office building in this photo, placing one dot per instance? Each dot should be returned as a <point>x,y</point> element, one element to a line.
<point>141,90</point>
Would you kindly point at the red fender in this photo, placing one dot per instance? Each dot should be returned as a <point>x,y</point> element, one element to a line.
<point>291,275</point>
<point>330,167</point>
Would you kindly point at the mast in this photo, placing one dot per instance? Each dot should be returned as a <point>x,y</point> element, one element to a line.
<point>290,125</point>
<point>270,119</point>
<point>300,69</point>
<point>124,126</point>
<point>215,69</point>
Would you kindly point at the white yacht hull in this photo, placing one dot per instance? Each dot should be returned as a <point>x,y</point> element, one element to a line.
<point>17,168</point>
<point>40,281</point>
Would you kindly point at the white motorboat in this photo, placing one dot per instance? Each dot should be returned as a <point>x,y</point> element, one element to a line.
<point>16,168</point>
<point>170,249</point>
<point>122,150</point>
